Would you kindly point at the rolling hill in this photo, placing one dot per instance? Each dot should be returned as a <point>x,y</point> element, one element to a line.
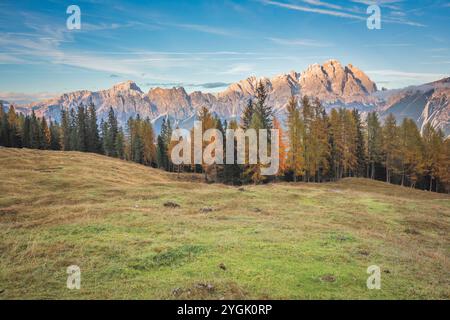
<point>119,222</point>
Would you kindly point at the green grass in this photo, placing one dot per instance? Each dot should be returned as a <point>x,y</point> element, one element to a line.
<point>276,241</point>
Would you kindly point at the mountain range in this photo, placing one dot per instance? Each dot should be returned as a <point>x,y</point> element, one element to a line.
<point>334,84</point>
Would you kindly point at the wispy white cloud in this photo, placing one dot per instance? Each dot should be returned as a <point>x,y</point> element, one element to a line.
<point>436,63</point>
<point>300,42</point>
<point>242,68</point>
<point>295,7</point>
<point>406,75</point>
<point>391,4</point>
<point>387,45</point>
<point>323,4</point>
<point>199,28</point>
<point>25,98</point>
<point>320,7</point>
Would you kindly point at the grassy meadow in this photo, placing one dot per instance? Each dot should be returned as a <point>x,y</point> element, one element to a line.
<point>275,241</point>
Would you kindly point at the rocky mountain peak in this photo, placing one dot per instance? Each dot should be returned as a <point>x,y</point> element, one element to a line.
<point>334,84</point>
<point>332,81</point>
<point>127,86</point>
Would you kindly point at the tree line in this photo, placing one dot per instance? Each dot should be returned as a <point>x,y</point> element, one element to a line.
<point>314,146</point>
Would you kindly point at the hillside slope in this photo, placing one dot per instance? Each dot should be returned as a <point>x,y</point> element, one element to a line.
<point>274,241</point>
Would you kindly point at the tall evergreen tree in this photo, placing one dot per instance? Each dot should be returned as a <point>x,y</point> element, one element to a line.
<point>73,131</point>
<point>390,145</point>
<point>262,108</point>
<point>295,161</point>
<point>93,136</point>
<point>282,147</point>
<point>411,152</point>
<point>162,145</point>
<point>232,172</point>
<point>82,130</point>
<point>46,135</point>
<point>360,145</point>
<point>65,130</point>
<point>247,115</point>
<point>36,132</point>
<point>55,133</point>
<point>3,126</point>
<point>253,171</point>
<point>374,143</point>
<point>26,133</point>
<point>12,128</point>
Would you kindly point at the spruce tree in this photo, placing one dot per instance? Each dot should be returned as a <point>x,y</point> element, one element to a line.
<point>113,130</point>
<point>262,108</point>
<point>253,171</point>
<point>374,143</point>
<point>3,126</point>
<point>93,136</point>
<point>161,153</point>
<point>390,145</point>
<point>55,133</point>
<point>82,132</point>
<point>360,145</point>
<point>12,129</point>
<point>119,144</point>
<point>65,130</point>
<point>46,135</point>
<point>411,152</point>
<point>247,115</point>
<point>73,130</point>
<point>295,156</point>
<point>36,133</point>
<point>26,133</point>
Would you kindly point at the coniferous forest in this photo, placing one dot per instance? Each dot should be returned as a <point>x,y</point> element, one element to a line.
<point>314,146</point>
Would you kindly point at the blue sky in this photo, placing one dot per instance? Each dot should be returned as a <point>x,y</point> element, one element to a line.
<point>206,44</point>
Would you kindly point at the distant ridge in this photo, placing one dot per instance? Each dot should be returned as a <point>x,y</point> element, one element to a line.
<point>334,84</point>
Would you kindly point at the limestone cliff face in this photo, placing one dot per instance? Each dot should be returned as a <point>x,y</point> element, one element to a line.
<point>428,103</point>
<point>334,84</point>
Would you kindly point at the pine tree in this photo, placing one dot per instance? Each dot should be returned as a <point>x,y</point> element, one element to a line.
<point>253,171</point>
<point>232,172</point>
<point>36,136</point>
<point>350,139</point>
<point>390,145</point>
<point>73,132</point>
<point>55,133</point>
<point>374,143</point>
<point>336,136</point>
<point>148,137</point>
<point>105,137</point>
<point>109,131</point>
<point>12,129</point>
<point>162,145</point>
<point>360,145</point>
<point>93,136</point>
<point>433,152</point>
<point>247,115</point>
<point>410,152</point>
<point>295,156</point>
<point>46,135</point>
<point>119,144</point>
<point>318,142</point>
<point>65,130</point>
<point>307,116</point>
<point>161,153</point>
<point>3,126</point>
<point>26,133</point>
<point>208,122</point>
<point>282,147</point>
<point>262,108</point>
<point>82,132</point>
